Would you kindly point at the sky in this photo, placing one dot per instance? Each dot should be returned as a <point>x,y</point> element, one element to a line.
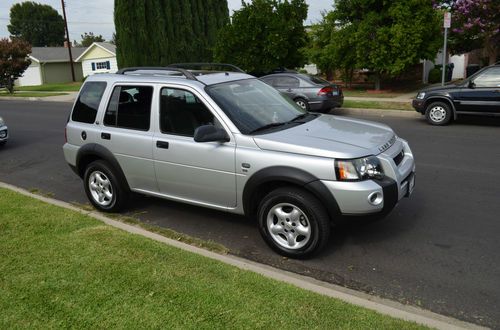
<point>97,15</point>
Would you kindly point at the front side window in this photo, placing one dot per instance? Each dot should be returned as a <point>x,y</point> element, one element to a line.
<point>181,112</point>
<point>252,104</point>
<point>86,106</point>
<point>130,107</point>
<point>488,78</point>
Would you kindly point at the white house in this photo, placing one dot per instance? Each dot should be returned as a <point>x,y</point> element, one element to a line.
<point>100,57</point>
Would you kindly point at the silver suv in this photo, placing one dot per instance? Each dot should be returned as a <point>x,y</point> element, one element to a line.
<point>229,141</point>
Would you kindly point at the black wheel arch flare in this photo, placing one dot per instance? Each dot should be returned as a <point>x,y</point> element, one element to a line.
<point>284,175</point>
<point>92,151</point>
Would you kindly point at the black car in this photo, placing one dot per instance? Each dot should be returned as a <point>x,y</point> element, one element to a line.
<point>478,94</point>
<point>309,92</point>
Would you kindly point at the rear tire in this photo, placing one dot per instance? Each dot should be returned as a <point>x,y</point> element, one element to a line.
<point>302,103</point>
<point>102,187</point>
<point>438,113</point>
<point>293,222</point>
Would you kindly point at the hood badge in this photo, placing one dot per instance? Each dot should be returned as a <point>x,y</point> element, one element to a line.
<point>388,144</point>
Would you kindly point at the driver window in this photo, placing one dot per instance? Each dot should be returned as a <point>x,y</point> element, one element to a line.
<point>489,78</point>
<point>181,112</point>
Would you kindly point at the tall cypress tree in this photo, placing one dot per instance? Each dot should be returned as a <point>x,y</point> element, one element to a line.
<point>159,32</point>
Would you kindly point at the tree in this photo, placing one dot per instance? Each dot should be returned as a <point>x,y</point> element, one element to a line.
<point>388,37</point>
<point>88,39</point>
<point>331,48</point>
<point>265,35</point>
<point>40,25</point>
<point>160,32</point>
<point>13,61</point>
<point>475,24</point>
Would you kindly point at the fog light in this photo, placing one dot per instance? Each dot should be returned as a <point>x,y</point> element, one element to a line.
<point>375,198</point>
<point>3,134</point>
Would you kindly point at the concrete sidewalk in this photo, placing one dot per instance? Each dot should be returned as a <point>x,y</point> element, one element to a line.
<point>408,97</point>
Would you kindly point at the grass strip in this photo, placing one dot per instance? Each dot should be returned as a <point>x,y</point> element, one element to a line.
<point>378,105</point>
<point>63,87</point>
<point>63,269</point>
<point>29,94</point>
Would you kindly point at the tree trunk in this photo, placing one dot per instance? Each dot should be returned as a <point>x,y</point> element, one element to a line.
<point>10,86</point>
<point>377,81</point>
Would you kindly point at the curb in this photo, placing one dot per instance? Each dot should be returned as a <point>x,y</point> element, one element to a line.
<point>376,112</point>
<point>380,305</point>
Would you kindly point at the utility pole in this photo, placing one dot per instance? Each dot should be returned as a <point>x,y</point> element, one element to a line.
<point>446,25</point>
<point>68,41</point>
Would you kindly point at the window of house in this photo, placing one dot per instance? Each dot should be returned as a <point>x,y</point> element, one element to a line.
<point>181,112</point>
<point>86,106</point>
<point>130,107</point>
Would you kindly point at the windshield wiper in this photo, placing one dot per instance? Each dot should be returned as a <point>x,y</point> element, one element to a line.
<point>271,125</point>
<point>302,116</point>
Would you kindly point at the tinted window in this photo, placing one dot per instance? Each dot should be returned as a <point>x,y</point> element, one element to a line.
<point>318,80</point>
<point>181,112</point>
<point>284,81</point>
<point>88,102</point>
<point>130,107</point>
<point>488,78</point>
<point>269,81</point>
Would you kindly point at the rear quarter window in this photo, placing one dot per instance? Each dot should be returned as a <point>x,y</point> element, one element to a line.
<point>88,101</point>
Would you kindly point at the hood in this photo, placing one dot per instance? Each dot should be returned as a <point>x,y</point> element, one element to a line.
<point>330,136</point>
<point>439,88</point>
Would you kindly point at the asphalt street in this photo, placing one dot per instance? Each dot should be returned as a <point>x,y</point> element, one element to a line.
<point>438,249</point>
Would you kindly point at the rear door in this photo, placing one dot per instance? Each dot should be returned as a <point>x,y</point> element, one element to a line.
<point>288,85</point>
<point>483,95</point>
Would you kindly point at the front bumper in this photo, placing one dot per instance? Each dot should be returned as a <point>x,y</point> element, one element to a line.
<point>4,133</point>
<point>378,196</point>
<point>418,105</point>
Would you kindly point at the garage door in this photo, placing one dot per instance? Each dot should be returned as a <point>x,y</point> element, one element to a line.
<point>31,77</point>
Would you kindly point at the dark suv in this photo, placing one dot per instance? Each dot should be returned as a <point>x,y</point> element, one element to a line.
<point>479,94</point>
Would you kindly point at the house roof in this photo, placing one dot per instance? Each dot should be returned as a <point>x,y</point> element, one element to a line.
<point>108,47</point>
<point>55,54</point>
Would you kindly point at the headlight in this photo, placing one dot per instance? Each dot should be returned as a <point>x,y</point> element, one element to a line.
<point>359,169</point>
<point>420,95</point>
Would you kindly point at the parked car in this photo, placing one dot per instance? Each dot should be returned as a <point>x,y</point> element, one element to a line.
<point>4,132</point>
<point>309,92</point>
<point>478,95</point>
<point>230,142</point>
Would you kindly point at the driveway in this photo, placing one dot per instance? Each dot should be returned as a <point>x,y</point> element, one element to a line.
<point>438,250</point>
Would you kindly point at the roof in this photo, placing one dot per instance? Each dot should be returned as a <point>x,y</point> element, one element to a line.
<point>110,48</point>
<point>55,54</point>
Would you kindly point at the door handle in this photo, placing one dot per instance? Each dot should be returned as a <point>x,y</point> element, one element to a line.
<point>106,136</point>
<point>162,144</point>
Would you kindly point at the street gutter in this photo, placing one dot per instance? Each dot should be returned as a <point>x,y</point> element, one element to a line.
<point>383,306</point>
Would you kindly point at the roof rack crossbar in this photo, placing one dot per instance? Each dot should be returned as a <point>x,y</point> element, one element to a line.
<point>192,65</point>
<point>186,73</point>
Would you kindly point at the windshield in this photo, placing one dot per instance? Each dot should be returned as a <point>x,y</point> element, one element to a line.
<point>252,105</point>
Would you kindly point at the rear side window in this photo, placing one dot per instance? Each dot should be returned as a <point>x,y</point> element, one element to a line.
<point>285,81</point>
<point>130,107</point>
<point>86,106</point>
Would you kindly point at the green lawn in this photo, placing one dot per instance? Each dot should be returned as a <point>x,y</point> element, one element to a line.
<point>378,105</point>
<point>29,94</point>
<point>364,93</point>
<point>66,87</point>
<point>62,269</point>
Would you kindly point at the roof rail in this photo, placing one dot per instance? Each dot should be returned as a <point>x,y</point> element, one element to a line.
<point>186,73</point>
<point>203,66</point>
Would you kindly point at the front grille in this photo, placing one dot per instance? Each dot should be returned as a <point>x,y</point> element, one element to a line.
<point>399,157</point>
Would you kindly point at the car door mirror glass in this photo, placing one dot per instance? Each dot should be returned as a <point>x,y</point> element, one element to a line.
<point>471,84</point>
<point>210,133</point>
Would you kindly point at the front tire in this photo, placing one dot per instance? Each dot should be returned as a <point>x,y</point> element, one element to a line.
<point>102,187</point>
<point>293,222</point>
<point>438,113</point>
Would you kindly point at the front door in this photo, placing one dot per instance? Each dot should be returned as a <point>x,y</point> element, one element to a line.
<point>200,172</point>
<point>483,94</point>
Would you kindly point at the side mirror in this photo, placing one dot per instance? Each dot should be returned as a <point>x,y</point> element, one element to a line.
<point>210,133</point>
<point>471,84</point>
